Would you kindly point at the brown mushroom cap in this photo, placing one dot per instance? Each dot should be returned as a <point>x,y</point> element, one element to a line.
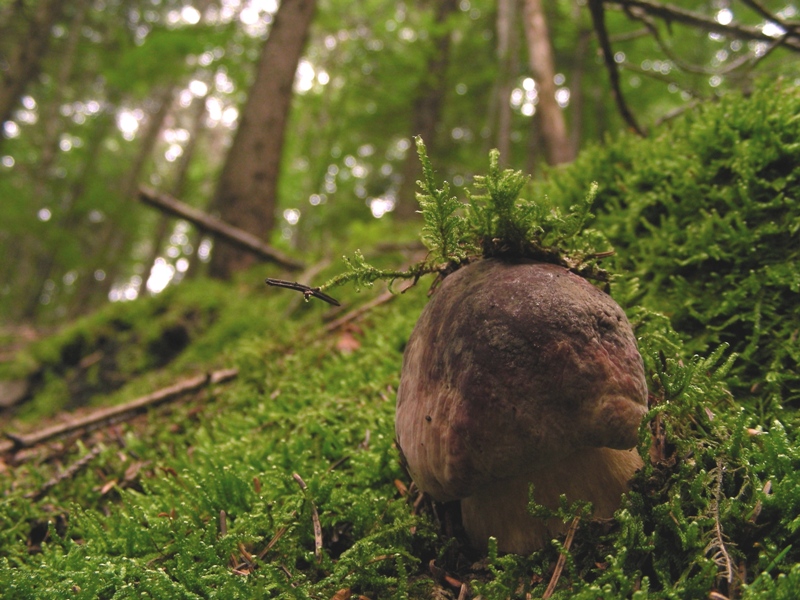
<point>511,366</point>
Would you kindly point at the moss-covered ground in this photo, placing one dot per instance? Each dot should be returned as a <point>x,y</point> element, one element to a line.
<point>217,494</point>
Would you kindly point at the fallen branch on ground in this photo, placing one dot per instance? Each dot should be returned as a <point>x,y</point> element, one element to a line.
<point>68,473</point>
<point>123,410</point>
<point>239,237</point>
<point>358,312</point>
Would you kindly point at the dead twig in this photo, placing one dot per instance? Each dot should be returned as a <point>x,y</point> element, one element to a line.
<point>562,558</point>
<point>599,22</point>
<point>717,544</point>
<point>306,277</point>
<point>123,410</point>
<point>462,594</point>
<point>223,523</point>
<point>314,517</point>
<point>68,473</point>
<point>360,311</point>
<point>307,291</point>
<point>242,239</point>
<point>671,13</point>
<point>275,538</point>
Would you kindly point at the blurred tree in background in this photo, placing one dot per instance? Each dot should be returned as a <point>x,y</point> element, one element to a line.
<point>100,96</point>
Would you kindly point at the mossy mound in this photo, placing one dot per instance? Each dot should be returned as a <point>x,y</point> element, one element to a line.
<point>707,215</point>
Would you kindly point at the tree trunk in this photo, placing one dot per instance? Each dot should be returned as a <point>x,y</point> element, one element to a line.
<point>65,217</point>
<point>557,145</point>
<point>31,252</point>
<point>23,60</point>
<point>52,122</point>
<point>247,188</point>
<point>507,62</point>
<point>107,252</point>
<point>165,222</point>
<point>576,98</point>
<point>427,111</point>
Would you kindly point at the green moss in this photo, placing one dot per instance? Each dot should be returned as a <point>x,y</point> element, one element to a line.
<point>707,215</point>
<point>704,220</point>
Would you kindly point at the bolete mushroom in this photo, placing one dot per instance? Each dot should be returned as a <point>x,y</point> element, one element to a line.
<point>520,373</point>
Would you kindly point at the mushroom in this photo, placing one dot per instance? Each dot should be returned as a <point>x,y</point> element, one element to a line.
<point>520,373</point>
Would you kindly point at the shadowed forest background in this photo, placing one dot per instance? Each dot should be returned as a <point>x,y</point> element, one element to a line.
<point>299,138</point>
<point>174,428</point>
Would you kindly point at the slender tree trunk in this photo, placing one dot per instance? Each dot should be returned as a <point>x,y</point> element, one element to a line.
<point>507,61</point>
<point>247,189</point>
<point>51,120</point>
<point>557,146</point>
<point>33,263</point>
<point>427,111</point>
<point>165,222</point>
<point>65,217</point>
<point>24,59</point>
<point>576,86</point>
<point>576,98</point>
<point>107,253</point>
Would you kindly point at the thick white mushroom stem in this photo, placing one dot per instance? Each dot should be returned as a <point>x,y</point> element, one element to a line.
<point>597,475</point>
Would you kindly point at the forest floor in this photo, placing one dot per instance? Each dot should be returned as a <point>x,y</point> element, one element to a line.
<point>280,477</point>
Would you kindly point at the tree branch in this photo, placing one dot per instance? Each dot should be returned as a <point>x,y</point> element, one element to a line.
<point>599,22</point>
<point>747,59</point>
<point>127,409</point>
<point>669,12</point>
<point>763,12</point>
<point>239,237</point>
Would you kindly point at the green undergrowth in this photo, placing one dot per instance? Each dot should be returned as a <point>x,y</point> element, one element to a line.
<point>707,215</point>
<point>215,497</point>
<point>128,348</point>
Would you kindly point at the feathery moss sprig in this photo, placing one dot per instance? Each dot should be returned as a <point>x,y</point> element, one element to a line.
<point>493,223</point>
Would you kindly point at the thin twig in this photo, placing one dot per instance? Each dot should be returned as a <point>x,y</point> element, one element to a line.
<point>223,523</point>
<point>307,291</point>
<point>306,277</point>
<point>659,76</point>
<point>676,112</point>
<point>242,239</point>
<point>746,59</point>
<point>670,12</point>
<point>68,473</point>
<point>562,558</point>
<point>763,12</point>
<point>721,556</point>
<point>599,22</point>
<point>314,517</point>
<point>358,312</point>
<point>277,536</point>
<point>128,409</point>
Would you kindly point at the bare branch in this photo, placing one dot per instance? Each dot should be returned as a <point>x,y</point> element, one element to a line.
<point>629,35</point>
<point>598,20</point>
<point>68,473</point>
<point>123,410</point>
<point>672,13</point>
<point>206,222</point>
<point>657,75</point>
<point>763,12</point>
<point>306,290</point>
<point>747,59</point>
